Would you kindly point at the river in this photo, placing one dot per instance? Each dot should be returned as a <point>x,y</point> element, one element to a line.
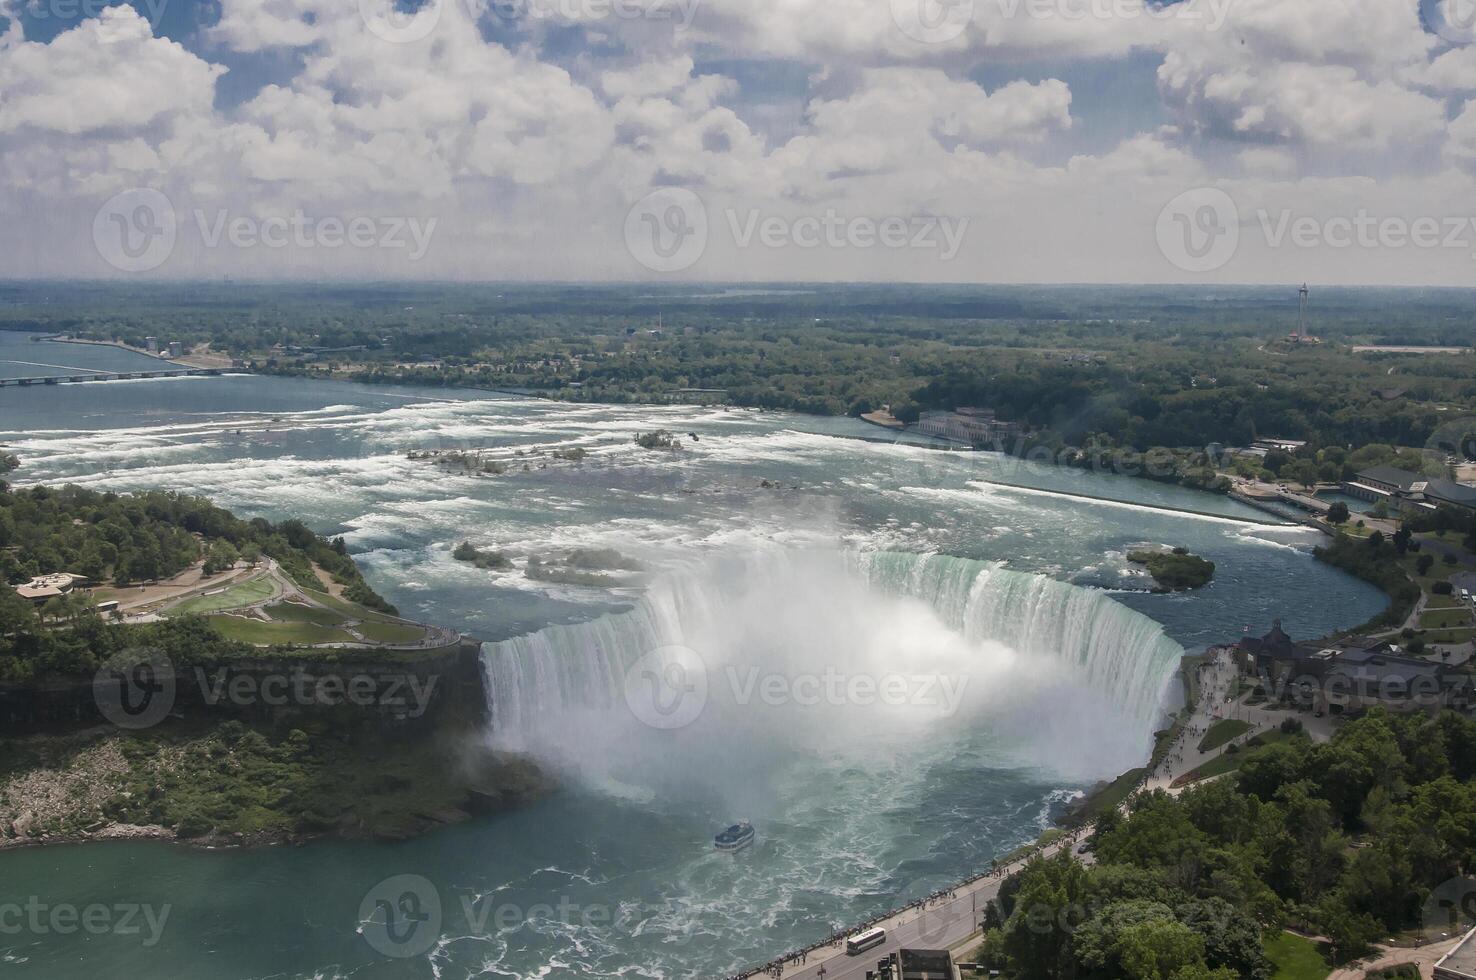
<point>772,550</point>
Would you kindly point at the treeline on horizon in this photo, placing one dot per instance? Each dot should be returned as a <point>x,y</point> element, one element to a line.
<point>124,539</point>
<point>1346,839</point>
<point>1137,367</point>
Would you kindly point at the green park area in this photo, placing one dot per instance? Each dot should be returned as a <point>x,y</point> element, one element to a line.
<point>353,610</point>
<point>246,612</point>
<point>390,632</point>
<point>248,593</point>
<point>301,612</point>
<point>1294,958</point>
<point>1225,730</point>
<point>261,633</point>
<point>1231,758</point>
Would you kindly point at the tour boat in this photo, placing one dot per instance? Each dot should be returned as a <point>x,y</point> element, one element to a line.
<point>735,838</point>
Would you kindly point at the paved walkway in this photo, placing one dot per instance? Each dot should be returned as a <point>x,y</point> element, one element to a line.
<point>952,917</point>
<point>943,921</point>
<point>1423,956</point>
<point>187,584</point>
<point>1218,678</point>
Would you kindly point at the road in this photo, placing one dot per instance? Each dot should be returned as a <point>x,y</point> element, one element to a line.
<point>948,921</point>
<point>937,924</point>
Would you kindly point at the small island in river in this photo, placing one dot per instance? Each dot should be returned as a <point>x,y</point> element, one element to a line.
<point>1176,570</point>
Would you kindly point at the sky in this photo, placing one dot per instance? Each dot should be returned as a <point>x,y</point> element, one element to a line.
<point>1039,141</point>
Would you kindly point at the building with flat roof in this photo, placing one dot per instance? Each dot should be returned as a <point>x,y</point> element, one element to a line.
<point>44,588</point>
<point>971,426</point>
<point>1459,963</point>
<point>1404,490</point>
<point>1285,445</point>
<point>925,964</point>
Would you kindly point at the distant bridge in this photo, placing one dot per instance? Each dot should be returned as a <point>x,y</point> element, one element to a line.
<point>73,379</point>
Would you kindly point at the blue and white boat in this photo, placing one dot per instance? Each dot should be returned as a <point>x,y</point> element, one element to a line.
<point>735,838</point>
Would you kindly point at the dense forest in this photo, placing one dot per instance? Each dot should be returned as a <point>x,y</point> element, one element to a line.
<point>1345,839</point>
<point>121,539</point>
<point>1136,366</point>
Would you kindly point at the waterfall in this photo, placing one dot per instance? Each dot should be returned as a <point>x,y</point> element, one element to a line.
<point>1113,649</point>
<point>1067,667</point>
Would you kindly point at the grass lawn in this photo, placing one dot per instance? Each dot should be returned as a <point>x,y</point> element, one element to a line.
<point>1230,761</point>
<point>246,593</point>
<point>296,612</point>
<point>1444,619</point>
<point>1294,958</point>
<point>1223,731</point>
<point>267,634</point>
<point>1113,795</point>
<point>353,610</point>
<point>1447,636</point>
<point>390,632</point>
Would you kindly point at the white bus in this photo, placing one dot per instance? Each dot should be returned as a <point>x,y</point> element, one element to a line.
<point>863,941</point>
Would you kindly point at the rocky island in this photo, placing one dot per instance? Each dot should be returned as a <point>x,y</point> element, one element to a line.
<point>1175,570</point>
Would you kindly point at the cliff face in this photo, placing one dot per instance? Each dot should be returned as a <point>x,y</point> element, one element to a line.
<point>362,691</point>
<point>361,745</point>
